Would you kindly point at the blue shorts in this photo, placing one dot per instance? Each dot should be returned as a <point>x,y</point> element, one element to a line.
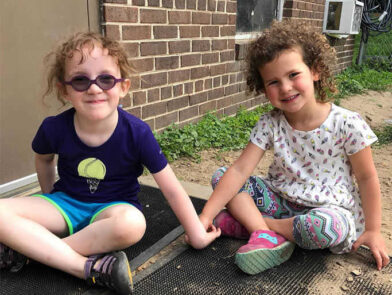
<point>77,214</point>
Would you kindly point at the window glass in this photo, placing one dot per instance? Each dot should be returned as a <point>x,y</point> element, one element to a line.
<point>255,15</point>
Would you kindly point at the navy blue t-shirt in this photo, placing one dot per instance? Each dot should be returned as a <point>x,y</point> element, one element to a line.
<point>105,173</point>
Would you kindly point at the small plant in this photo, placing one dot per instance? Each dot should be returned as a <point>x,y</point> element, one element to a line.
<point>226,133</point>
<point>384,135</point>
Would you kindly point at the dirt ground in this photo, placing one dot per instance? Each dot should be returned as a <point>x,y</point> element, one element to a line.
<point>375,107</point>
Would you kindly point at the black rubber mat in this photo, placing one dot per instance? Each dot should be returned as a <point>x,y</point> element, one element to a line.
<point>39,279</point>
<point>212,271</point>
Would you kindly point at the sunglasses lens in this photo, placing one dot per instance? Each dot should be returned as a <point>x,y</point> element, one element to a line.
<point>80,83</point>
<point>106,82</point>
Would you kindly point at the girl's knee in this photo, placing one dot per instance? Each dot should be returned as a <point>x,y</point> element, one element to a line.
<point>217,176</point>
<point>128,227</point>
<point>320,229</point>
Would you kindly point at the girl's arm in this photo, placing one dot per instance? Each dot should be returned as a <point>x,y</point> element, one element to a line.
<point>46,172</point>
<point>182,206</point>
<point>369,188</point>
<point>231,182</point>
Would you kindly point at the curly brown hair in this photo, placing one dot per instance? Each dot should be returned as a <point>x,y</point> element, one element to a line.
<point>317,53</point>
<point>56,59</point>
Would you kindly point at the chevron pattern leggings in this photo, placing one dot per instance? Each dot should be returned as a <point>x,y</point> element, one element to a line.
<point>313,228</point>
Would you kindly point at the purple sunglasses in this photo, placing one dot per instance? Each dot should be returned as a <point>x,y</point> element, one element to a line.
<point>82,83</point>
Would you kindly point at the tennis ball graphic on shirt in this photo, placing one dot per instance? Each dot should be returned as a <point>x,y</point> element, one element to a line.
<point>94,170</point>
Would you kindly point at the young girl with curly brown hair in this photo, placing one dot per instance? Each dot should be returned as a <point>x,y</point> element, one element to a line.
<point>309,197</point>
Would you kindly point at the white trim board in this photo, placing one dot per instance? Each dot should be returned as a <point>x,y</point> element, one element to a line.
<point>9,186</point>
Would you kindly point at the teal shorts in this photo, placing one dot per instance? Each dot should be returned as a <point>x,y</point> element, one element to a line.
<point>77,214</point>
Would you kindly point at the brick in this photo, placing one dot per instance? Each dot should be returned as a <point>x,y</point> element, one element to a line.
<point>208,58</point>
<point>179,47</point>
<point>231,89</point>
<point>135,82</point>
<point>231,19</point>
<point>153,3</point>
<point>224,102</point>
<point>200,45</point>
<point>207,107</point>
<point>137,112</point>
<point>180,4</point>
<point>189,31</point>
<point>200,72</point>
<point>120,14</point>
<point>231,7</point>
<point>166,120</point>
<point>188,113</point>
<point>190,4</point>
<point>138,2</point>
<point>218,70</point>
<point>208,84</point>
<point>166,63</point>
<point>177,103</point>
<point>203,18</point>
<point>190,60</point>
<point>112,31</point>
<point>153,95</point>
<point>225,79</point>
<point>166,92</point>
<point>152,48</point>
<point>179,17</point>
<point>152,16</point>
<point>139,97</point>
<point>216,93</point>
<point>202,4</point>
<point>179,75</point>
<point>167,3</point>
<point>143,65</point>
<point>216,82</point>
<point>227,56</point>
<point>126,101</point>
<point>220,19</point>
<point>227,31</point>
<point>232,67</point>
<point>136,32</point>
<point>198,98</point>
<point>210,31</point>
<point>178,90</point>
<point>188,88</point>
<point>211,6</point>
<point>152,80</point>
<point>199,85</point>
<point>219,44</point>
<point>132,49</point>
<point>154,109</point>
<point>165,32</point>
<point>221,6</point>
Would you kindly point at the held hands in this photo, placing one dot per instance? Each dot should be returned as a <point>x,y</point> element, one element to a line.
<point>209,235</point>
<point>376,244</point>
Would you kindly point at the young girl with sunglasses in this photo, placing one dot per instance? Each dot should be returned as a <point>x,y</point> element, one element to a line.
<point>80,221</point>
<point>309,196</point>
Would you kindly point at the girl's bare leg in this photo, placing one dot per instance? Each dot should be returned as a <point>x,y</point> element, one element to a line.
<point>242,207</point>
<point>115,228</point>
<point>33,227</point>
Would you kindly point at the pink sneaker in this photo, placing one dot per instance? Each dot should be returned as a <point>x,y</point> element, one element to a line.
<point>265,249</point>
<point>229,226</point>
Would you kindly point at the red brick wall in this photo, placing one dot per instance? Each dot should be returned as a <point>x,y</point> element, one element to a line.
<point>186,56</point>
<point>184,53</point>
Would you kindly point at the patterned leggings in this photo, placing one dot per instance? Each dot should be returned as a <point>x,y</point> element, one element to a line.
<point>313,228</point>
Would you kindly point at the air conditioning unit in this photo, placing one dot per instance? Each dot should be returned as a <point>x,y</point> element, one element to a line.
<point>342,17</point>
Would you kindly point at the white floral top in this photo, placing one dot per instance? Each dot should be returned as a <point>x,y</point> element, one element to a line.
<point>311,168</point>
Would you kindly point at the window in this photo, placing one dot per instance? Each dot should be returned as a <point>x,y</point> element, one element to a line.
<point>255,15</point>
